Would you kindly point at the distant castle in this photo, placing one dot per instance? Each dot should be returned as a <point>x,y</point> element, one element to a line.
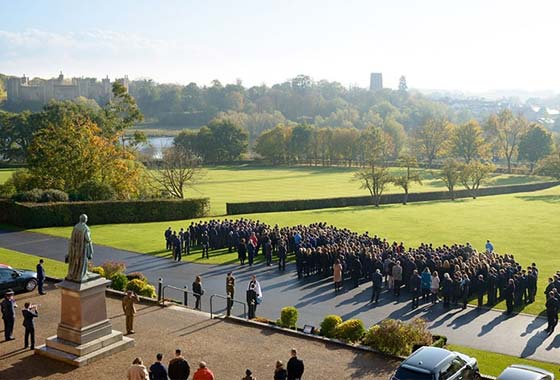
<point>40,90</point>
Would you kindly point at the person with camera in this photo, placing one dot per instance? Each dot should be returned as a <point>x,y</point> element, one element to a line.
<point>29,314</point>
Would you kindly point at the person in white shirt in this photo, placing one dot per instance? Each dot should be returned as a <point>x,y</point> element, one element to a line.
<point>254,296</point>
<point>435,287</point>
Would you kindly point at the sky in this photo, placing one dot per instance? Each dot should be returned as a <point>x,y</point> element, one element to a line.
<point>464,45</point>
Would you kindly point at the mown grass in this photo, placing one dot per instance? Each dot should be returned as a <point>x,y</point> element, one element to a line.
<point>526,225</point>
<point>5,174</point>
<point>491,363</point>
<point>21,260</point>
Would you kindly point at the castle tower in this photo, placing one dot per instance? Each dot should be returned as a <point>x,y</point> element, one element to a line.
<point>376,82</point>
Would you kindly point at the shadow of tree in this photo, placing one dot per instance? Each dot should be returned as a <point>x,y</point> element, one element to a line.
<point>541,198</point>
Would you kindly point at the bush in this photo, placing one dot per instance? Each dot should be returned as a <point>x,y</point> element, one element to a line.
<point>33,195</point>
<point>23,180</point>
<point>7,190</point>
<point>99,270</point>
<point>94,191</point>
<point>398,338</point>
<point>439,341</point>
<point>351,330</point>
<point>136,275</point>
<point>53,195</point>
<point>329,324</point>
<point>135,285</point>
<point>147,291</point>
<point>105,212</point>
<point>119,281</point>
<point>113,267</point>
<point>288,317</point>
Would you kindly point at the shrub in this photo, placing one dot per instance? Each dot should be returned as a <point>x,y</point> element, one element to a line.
<point>136,275</point>
<point>7,190</point>
<point>135,285</point>
<point>95,191</point>
<point>53,195</point>
<point>33,195</point>
<point>329,324</point>
<point>23,180</point>
<point>113,267</point>
<point>119,281</point>
<point>147,291</point>
<point>398,338</point>
<point>351,330</point>
<point>288,317</point>
<point>99,270</point>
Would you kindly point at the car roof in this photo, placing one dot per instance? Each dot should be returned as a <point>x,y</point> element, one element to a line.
<point>523,372</point>
<point>428,359</point>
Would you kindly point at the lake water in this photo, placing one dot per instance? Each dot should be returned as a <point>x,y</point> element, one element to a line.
<point>158,144</point>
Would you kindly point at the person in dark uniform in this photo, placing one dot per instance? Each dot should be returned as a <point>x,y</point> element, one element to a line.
<point>267,250</point>
<point>551,312</point>
<point>167,235</point>
<point>176,243</point>
<point>415,285</point>
<point>465,290</point>
<point>29,315</point>
<point>253,294</point>
<point>8,307</point>
<point>198,291</point>
<point>377,282</point>
<point>446,289</point>
<point>282,253</point>
<point>41,277</point>
<point>509,294</point>
<point>295,366</point>
<point>480,289</point>
<point>230,291</point>
<point>242,251</point>
<point>187,242</point>
<point>251,252</point>
<point>205,239</point>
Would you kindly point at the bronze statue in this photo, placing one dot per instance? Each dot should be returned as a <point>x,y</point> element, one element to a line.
<point>80,251</point>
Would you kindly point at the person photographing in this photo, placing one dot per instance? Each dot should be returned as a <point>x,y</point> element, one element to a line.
<point>29,314</point>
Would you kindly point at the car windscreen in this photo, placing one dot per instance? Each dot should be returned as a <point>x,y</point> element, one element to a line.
<point>407,374</point>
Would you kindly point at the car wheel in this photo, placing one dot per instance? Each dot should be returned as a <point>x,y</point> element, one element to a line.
<point>31,285</point>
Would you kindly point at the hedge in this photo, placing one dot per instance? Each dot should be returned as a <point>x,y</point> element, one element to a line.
<point>309,204</point>
<point>31,215</point>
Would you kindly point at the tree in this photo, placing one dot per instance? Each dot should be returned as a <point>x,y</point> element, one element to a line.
<point>535,144</point>
<point>375,179</point>
<point>549,166</point>
<point>430,138</point>
<point>273,145</point>
<point>473,174</point>
<point>450,174</point>
<point>227,141</point>
<point>405,181</point>
<point>508,130</point>
<point>179,170</point>
<point>299,144</point>
<point>467,141</point>
<point>402,84</point>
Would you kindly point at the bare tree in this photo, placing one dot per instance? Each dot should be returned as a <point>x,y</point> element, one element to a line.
<point>472,175</point>
<point>179,170</point>
<point>405,181</point>
<point>450,175</point>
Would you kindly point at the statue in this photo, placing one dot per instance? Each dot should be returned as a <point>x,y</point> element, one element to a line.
<point>80,251</point>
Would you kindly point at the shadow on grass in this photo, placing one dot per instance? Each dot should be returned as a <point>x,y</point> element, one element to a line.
<point>554,199</point>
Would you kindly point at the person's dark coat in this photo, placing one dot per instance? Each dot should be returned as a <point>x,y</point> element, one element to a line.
<point>158,371</point>
<point>29,318</point>
<point>281,374</point>
<point>178,369</point>
<point>295,368</point>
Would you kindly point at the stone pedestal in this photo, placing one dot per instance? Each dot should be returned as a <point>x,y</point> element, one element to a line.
<point>84,333</point>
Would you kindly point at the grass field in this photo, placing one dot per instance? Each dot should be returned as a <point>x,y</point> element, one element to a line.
<point>249,183</point>
<point>526,225</point>
<point>5,174</point>
<point>20,260</point>
<point>493,364</point>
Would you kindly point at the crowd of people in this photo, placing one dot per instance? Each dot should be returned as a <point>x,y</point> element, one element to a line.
<point>451,273</point>
<point>179,369</point>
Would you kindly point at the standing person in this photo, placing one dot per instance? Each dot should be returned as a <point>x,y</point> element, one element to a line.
<point>251,252</point>
<point>465,290</point>
<point>29,314</point>
<point>203,372</point>
<point>137,371</point>
<point>230,291</point>
<point>481,289</point>
<point>8,306</point>
<point>282,253</point>
<point>489,246</point>
<point>158,370</point>
<point>415,288</point>
<point>280,372</point>
<point>205,245</point>
<point>551,312</point>
<point>176,247</point>
<point>435,287</point>
<point>198,291</point>
<point>178,368</point>
<point>129,310</point>
<point>167,235</point>
<point>267,250</point>
<point>248,375</point>
<point>242,251</point>
<point>509,294</point>
<point>377,282</point>
<point>426,284</point>
<point>397,278</point>
<point>447,289</point>
<point>41,277</point>
<point>337,275</point>
<point>295,366</point>
<point>254,293</point>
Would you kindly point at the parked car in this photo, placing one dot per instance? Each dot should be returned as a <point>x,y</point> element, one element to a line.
<point>524,372</point>
<point>16,279</point>
<point>432,363</point>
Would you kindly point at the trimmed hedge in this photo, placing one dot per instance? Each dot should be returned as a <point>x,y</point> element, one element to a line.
<point>309,204</point>
<point>29,215</point>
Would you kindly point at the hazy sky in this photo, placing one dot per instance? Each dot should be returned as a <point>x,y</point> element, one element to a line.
<point>469,45</point>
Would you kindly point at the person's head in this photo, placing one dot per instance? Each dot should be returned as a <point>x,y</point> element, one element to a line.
<point>137,361</point>
<point>229,274</point>
<point>279,364</point>
<point>129,293</point>
<point>178,352</point>
<point>198,279</point>
<point>9,293</point>
<point>202,365</point>
<point>83,218</point>
<point>253,277</point>
<point>248,372</point>
<point>294,352</point>
<point>26,305</point>
<point>41,261</point>
<point>159,357</point>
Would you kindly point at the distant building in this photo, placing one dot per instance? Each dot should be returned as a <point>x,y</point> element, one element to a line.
<point>376,81</point>
<point>39,90</point>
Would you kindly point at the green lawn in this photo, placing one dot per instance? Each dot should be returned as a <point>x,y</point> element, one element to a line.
<point>244,183</point>
<point>525,224</point>
<point>20,260</point>
<point>493,364</point>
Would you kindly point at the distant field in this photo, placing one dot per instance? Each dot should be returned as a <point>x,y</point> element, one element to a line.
<point>249,183</point>
<point>20,260</point>
<point>524,224</point>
